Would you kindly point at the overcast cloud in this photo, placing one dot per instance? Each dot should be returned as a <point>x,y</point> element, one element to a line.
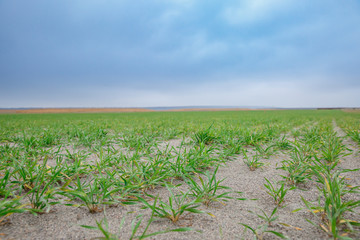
<point>113,53</point>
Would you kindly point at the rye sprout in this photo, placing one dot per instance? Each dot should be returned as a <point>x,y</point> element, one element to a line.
<point>177,205</point>
<point>204,136</point>
<point>254,162</point>
<point>43,191</point>
<point>25,173</point>
<point>265,151</point>
<point>333,148</point>
<point>92,193</point>
<point>276,192</point>
<point>334,207</point>
<point>103,226</point>
<point>283,144</point>
<point>9,206</point>
<point>4,183</point>
<point>354,134</point>
<point>260,231</point>
<point>207,190</point>
<point>268,218</point>
<point>297,171</point>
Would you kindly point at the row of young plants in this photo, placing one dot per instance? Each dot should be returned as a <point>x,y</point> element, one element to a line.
<point>316,156</point>
<point>132,131</point>
<point>351,126</point>
<point>31,184</point>
<point>115,179</point>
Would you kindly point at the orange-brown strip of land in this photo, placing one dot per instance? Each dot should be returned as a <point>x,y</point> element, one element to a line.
<point>74,110</point>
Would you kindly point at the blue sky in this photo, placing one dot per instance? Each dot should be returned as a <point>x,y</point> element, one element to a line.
<point>117,53</point>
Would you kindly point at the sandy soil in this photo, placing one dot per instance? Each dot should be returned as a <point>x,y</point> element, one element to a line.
<point>63,222</point>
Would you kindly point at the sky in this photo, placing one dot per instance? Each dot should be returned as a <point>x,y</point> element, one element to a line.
<point>148,53</point>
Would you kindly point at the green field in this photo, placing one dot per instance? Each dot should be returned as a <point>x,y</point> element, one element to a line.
<point>169,167</point>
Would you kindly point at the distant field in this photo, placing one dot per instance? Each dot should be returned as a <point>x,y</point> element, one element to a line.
<point>114,110</point>
<point>74,110</point>
<point>180,175</point>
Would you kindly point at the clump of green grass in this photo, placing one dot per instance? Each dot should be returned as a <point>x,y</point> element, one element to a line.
<point>253,162</point>
<point>5,183</point>
<point>103,227</point>
<point>354,134</point>
<point>283,144</point>
<point>332,148</point>
<point>207,190</point>
<point>43,190</point>
<point>276,191</point>
<point>93,193</point>
<point>264,151</point>
<point>205,136</point>
<point>9,206</point>
<point>298,172</point>
<point>176,206</point>
<point>334,207</point>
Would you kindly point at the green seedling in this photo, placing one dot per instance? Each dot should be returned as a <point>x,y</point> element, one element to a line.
<point>103,226</point>
<point>76,166</point>
<point>184,165</point>
<point>319,167</point>
<point>261,231</point>
<point>144,176</point>
<point>254,162</point>
<point>29,142</point>
<point>4,183</point>
<point>25,173</point>
<point>201,157</point>
<point>298,172</point>
<point>266,152</point>
<point>302,152</point>
<point>283,144</point>
<point>295,133</point>
<point>152,173</point>
<point>118,188</point>
<point>354,134</point>
<point>268,218</point>
<point>48,139</point>
<point>43,190</point>
<point>76,156</point>
<point>334,207</point>
<point>332,149</point>
<point>231,145</point>
<point>276,192</point>
<point>204,136</point>
<point>9,206</point>
<point>232,149</point>
<point>253,137</point>
<point>207,190</point>
<point>175,208</point>
<point>137,142</point>
<point>91,194</point>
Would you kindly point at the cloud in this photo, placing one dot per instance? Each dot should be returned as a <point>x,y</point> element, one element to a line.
<point>160,50</point>
<point>277,92</point>
<point>253,11</point>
